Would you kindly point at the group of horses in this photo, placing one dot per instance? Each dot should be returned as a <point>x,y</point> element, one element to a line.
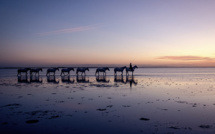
<point>82,70</point>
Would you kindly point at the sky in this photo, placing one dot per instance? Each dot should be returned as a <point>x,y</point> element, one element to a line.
<point>179,33</point>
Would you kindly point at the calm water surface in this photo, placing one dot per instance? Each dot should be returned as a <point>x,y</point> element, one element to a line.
<point>155,100</point>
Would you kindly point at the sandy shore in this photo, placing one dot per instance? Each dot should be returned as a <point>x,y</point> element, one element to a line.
<point>143,104</point>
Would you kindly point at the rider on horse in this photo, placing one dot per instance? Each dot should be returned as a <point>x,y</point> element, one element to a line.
<point>131,67</point>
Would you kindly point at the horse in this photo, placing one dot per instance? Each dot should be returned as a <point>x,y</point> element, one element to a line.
<point>51,70</point>
<point>23,70</point>
<point>102,69</point>
<point>66,70</point>
<point>82,70</point>
<point>131,70</point>
<point>36,71</point>
<point>119,69</point>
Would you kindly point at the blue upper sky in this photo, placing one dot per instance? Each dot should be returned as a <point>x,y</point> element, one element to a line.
<point>66,32</point>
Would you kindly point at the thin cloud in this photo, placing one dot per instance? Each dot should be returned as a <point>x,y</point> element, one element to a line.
<point>186,58</point>
<point>69,30</point>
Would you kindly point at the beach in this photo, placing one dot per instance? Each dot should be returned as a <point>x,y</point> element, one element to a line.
<point>154,100</point>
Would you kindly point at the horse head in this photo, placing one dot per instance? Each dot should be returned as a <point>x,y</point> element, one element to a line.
<point>87,69</point>
<point>135,66</point>
<point>40,69</point>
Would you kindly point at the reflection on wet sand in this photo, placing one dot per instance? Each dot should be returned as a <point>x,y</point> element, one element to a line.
<point>119,79</point>
<point>52,79</point>
<point>23,79</point>
<point>102,78</point>
<point>67,79</point>
<point>36,79</point>
<point>131,80</point>
<point>82,79</point>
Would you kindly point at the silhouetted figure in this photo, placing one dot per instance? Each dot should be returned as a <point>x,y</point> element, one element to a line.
<point>130,70</point>
<point>131,67</point>
<point>66,79</point>
<point>67,70</point>
<point>82,79</point>
<point>23,70</point>
<point>52,79</point>
<point>35,79</point>
<point>102,78</point>
<point>102,69</point>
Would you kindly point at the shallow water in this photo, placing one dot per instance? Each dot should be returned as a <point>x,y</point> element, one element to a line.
<point>155,100</point>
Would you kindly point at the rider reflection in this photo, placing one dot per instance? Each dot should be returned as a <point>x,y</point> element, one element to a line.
<point>131,80</point>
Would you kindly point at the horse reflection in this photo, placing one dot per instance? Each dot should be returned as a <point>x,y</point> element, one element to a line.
<point>102,78</point>
<point>66,79</point>
<point>82,79</point>
<point>52,79</point>
<point>119,79</point>
<point>131,80</point>
<point>35,79</point>
<point>23,79</point>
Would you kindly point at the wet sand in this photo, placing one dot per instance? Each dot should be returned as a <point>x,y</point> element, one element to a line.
<point>166,101</point>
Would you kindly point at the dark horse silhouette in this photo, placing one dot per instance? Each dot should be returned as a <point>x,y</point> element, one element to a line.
<point>35,71</point>
<point>119,69</point>
<point>67,70</point>
<point>23,70</point>
<point>51,70</point>
<point>82,70</point>
<point>128,69</point>
<point>102,69</point>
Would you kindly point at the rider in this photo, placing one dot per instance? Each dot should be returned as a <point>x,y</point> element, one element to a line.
<point>131,66</point>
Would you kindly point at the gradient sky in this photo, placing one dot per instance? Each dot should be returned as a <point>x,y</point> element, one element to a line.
<point>144,32</point>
